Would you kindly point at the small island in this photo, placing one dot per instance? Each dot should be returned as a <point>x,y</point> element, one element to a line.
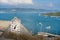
<point>52,14</point>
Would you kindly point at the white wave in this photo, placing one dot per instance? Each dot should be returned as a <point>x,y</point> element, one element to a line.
<point>54,16</point>
<point>58,18</point>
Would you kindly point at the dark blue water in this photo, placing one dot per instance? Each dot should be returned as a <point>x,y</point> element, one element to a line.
<point>34,22</point>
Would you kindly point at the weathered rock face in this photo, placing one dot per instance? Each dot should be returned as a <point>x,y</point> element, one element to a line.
<point>16,31</point>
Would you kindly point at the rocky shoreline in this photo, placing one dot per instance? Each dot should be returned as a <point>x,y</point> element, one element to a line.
<point>13,36</point>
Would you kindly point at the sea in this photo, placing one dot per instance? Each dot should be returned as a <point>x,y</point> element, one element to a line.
<point>34,21</point>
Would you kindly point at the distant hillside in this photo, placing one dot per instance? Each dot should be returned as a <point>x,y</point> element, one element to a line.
<point>25,10</point>
<point>52,14</point>
<point>22,9</point>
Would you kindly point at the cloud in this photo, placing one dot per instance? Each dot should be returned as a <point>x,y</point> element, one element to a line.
<point>50,4</point>
<point>16,2</point>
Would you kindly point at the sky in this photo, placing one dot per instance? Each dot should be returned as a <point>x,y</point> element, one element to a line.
<point>43,4</point>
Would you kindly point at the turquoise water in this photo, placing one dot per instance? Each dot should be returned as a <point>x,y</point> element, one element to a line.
<point>34,21</point>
